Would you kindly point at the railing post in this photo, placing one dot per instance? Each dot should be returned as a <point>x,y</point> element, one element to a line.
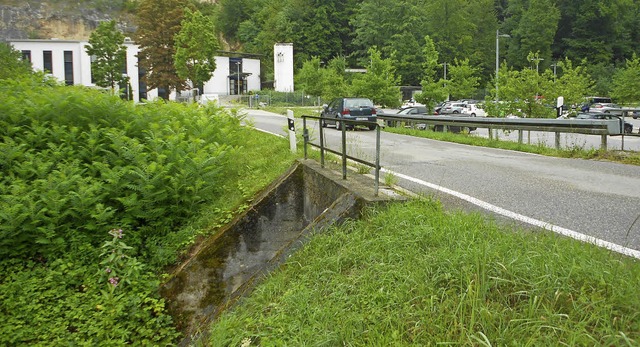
<point>305,135</point>
<point>490,133</point>
<point>321,143</point>
<point>377,173</point>
<point>344,150</point>
<point>603,142</point>
<point>520,132</point>
<point>557,140</point>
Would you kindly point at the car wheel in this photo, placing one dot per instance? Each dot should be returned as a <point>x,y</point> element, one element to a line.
<point>372,127</point>
<point>338,125</point>
<point>473,115</point>
<point>323,123</point>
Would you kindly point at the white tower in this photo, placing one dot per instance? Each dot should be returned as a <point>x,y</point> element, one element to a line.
<point>283,67</point>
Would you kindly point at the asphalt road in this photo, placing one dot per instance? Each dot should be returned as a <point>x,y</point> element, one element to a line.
<point>590,200</point>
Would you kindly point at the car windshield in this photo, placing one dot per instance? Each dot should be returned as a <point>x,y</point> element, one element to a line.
<point>353,103</point>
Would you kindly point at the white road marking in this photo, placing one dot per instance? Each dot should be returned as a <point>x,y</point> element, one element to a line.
<point>518,217</point>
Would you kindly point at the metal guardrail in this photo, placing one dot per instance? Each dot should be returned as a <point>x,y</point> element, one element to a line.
<point>600,127</point>
<point>343,153</point>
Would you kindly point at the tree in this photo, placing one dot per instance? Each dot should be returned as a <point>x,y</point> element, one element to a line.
<point>573,84</point>
<point>12,64</point>
<point>310,77</point>
<point>463,79</point>
<point>535,23</point>
<point>522,90</point>
<point>158,23</point>
<point>106,45</point>
<point>379,83</point>
<point>196,48</point>
<point>433,89</point>
<point>626,82</point>
<point>231,13</point>
<point>335,84</point>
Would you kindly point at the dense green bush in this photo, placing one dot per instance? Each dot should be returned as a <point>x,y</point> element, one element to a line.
<point>75,162</point>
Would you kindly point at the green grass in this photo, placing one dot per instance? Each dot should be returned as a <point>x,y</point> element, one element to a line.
<point>414,275</point>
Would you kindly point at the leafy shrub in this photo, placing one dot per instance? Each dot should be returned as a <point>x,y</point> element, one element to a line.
<point>67,303</point>
<point>75,161</point>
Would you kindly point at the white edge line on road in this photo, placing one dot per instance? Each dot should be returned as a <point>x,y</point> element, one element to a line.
<point>518,217</point>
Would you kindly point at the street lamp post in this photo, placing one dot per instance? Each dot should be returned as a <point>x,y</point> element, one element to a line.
<point>498,36</point>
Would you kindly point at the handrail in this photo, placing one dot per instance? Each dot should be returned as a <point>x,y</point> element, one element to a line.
<point>343,152</point>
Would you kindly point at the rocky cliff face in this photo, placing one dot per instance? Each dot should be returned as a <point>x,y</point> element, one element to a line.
<point>44,20</point>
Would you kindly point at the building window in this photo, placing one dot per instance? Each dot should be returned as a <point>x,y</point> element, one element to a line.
<point>26,56</point>
<point>68,68</point>
<point>47,65</point>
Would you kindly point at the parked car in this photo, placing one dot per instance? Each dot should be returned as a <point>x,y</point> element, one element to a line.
<point>413,110</point>
<point>605,108</point>
<point>474,110</point>
<point>628,127</point>
<point>453,108</point>
<point>340,109</point>
<point>409,111</point>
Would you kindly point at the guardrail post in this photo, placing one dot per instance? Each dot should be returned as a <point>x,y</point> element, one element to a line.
<point>344,149</point>
<point>490,134</point>
<point>377,172</point>
<point>603,142</point>
<point>520,132</point>
<point>305,135</point>
<point>321,142</point>
<point>557,140</point>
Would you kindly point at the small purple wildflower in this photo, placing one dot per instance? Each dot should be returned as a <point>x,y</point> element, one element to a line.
<point>107,270</point>
<point>116,233</point>
<point>114,281</point>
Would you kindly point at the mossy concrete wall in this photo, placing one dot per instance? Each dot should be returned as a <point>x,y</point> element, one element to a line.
<point>304,200</point>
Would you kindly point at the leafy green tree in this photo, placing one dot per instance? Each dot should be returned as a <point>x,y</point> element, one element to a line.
<point>196,48</point>
<point>334,80</point>
<point>536,23</point>
<point>408,58</point>
<point>310,77</point>
<point>12,64</point>
<point>158,23</point>
<point>433,89</point>
<point>482,48</point>
<point>463,79</point>
<point>379,83</point>
<point>573,84</point>
<point>450,28</point>
<point>521,90</point>
<point>626,82</point>
<point>106,44</point>
<point>230,14</point>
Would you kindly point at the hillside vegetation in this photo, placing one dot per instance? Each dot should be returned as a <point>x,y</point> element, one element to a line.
<point>98,196</point>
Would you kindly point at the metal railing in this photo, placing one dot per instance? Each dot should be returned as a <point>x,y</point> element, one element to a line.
<point>343,152</point>
<point>600,127</point>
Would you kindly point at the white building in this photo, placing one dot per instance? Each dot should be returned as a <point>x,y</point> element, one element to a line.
<point>69,62</point>
<point>283,67</point>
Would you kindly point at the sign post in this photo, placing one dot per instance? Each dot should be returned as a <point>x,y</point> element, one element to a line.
<point>292,131</point>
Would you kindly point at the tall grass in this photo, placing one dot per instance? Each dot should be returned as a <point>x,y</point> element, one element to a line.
<point>415,275</point>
